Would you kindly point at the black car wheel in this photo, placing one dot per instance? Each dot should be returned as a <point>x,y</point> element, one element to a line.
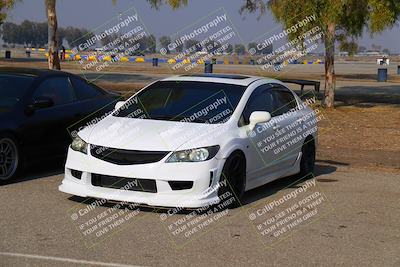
<point>9,157</point>
<point>307,162</point>
<point>234,173</point>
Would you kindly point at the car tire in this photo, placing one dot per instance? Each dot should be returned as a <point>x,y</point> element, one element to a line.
<point>234,173</point>
<point>10,157</point>
<point>307,162</point>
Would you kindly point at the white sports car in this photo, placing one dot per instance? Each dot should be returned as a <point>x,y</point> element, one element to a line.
<point>191,140</point>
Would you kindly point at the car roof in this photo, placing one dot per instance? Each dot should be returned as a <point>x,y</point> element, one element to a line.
<point>29,71</point>
<point>244,80</point>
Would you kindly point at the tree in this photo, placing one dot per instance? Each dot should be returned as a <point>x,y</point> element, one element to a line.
<point>72,35</point>
<point>41,35</point>
<point>336,19</point>
<point>193,44</point>
<point>173,3</point>
<point>376,48</point>
<point>109,39</point>
<point>348,46</point>
<point>150,43</point>
<point>27,33</point>
<point>165,41</point>
<point>53,60</point>
<point>179,47</point>
<point>4,5</point>
<point>240,49</point>
<point>267,49</point>
<point>251,46</point>
<point>229,49</point>
<point>10,33</point>
<point>361,49</point>
<point>33,33</point>
<point>386,51</point>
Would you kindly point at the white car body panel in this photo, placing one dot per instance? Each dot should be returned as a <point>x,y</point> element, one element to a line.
<point>159,135</point>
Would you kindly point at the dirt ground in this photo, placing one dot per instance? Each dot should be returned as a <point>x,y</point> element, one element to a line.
<point>367,137</point>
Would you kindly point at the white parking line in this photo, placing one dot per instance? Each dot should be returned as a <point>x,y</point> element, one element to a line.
<point>97,263</point>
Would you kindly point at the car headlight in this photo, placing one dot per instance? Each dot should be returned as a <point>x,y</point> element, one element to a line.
<point>194,155</point>
<point>79,145</point>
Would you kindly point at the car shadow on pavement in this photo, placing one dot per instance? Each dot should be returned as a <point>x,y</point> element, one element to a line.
<point>40,170</point>
<point>282,183</point>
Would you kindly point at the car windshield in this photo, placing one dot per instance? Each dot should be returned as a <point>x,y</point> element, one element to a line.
<point>199,102</point>
<point>12,89</point>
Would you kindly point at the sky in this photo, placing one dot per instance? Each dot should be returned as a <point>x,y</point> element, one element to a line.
<point>165,21</point>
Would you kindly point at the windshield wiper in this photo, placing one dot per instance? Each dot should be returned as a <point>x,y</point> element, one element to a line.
<point>177,118</point>
<point>161,118</point>
<point>200,120</point>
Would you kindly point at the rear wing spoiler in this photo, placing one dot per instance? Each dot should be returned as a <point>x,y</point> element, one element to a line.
<point>303,83</point>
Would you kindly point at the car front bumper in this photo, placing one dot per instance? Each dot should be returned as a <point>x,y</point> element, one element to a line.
<point>204,175</point>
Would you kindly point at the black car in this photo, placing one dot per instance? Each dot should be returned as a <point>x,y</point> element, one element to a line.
<point>39,110</point>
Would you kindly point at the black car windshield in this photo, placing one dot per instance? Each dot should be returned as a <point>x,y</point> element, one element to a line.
<point>186,101</point>
<point>12,89</point>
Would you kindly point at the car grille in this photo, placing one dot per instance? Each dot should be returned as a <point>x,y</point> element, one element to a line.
<point>121,183</point>
<point>126,157</point>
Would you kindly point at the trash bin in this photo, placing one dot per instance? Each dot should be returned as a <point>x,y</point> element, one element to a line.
<point>155,62</point>
<point>28,53</point>
<point>8,54</point>
<point>382,75</point>
<point>208,67</point>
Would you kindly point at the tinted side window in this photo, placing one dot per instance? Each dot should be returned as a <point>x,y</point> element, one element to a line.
<point>59,89</point>
<point>12,89</point>
<point>260,100</point>
<point>283,101</point>
<point>84,90</point>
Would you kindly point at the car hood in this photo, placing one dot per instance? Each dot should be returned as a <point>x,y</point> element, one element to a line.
<point>151,135</point>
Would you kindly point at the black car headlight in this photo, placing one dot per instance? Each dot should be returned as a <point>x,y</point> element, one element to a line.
<point>79,145</point>
<point>193,155</point>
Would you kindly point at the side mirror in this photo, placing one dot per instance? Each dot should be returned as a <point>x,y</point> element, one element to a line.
<point>259,117</point>
<point>119,104</point>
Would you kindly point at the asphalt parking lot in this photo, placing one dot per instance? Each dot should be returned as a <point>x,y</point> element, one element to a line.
<point>361,227</point>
